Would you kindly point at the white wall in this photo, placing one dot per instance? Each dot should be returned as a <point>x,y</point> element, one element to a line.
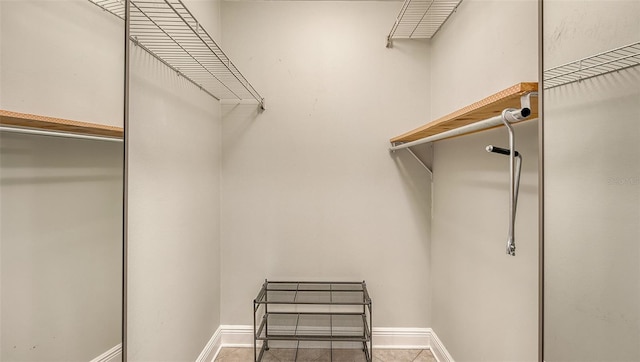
<point>484,303</point>
<point>61,199</point>
<point>592,189</point>
<point>174,209</point>
<point>62,58</point>
<point>61,231</point>
<point>310,190</point>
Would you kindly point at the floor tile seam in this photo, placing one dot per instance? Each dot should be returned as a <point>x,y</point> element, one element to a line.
<point>273,355</point>
<point>421,352</point>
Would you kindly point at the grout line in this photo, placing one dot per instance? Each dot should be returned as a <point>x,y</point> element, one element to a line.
<point>375,359</point>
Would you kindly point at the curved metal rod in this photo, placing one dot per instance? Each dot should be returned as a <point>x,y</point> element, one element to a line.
<point>517,186</point>
<point>511,243</point>
<point>503,151</point>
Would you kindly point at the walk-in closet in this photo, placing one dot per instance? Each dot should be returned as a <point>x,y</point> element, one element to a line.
<point>319,180</point>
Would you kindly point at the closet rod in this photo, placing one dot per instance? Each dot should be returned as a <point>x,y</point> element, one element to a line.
<point>519,114</point>
<point>57,134</point>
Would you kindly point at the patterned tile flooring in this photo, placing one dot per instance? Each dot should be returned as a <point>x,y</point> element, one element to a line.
<point>323,355</point>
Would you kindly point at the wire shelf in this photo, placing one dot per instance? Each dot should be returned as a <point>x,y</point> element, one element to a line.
<point>115,7</point>
<point>168,31</point>
<point>593,66</point>
<point>421,19</point>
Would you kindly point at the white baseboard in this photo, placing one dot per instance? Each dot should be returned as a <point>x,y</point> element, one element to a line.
<point>439,351</point>
<point>112,355</point>
<point>401,338</point>
<point>237,335</point>
<point>411,338</point>
<point>383,338</point>
<point>212,348</point>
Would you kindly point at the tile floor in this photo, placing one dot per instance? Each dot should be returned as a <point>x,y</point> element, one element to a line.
<point>323,355</point>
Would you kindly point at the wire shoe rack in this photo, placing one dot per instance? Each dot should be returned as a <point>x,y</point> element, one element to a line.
<point>291,314</point>
<point>599,64</point>
<point>167,30</point>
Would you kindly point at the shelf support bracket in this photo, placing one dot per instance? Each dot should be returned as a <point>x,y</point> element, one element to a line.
<point>422,163</point>
<point>418,159</point>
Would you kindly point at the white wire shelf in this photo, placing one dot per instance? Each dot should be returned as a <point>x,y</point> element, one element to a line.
<point>610,61</point>
<point>421,19</point>
<point>115,7</point>
<point>167,30</point>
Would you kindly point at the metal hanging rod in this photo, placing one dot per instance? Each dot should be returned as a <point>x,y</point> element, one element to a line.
<point>421,19</point>
<point>167,30</point>
<point>606,62</point>
<point>478,126</point>
<point>57,134</point>
<point>515,114</point>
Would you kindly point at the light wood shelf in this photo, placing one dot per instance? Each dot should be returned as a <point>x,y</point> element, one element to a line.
<point>32,121</point>
<point>478,111</point>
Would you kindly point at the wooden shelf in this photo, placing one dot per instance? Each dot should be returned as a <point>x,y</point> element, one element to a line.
<point>32,121</point>
<point>478,111</point>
